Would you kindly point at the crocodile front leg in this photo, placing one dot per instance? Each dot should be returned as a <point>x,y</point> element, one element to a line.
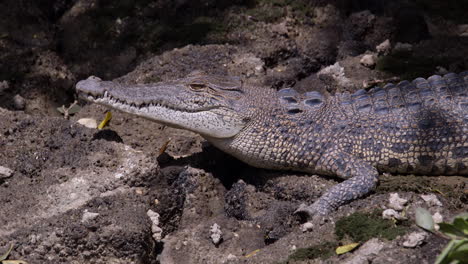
<point>361,178</point>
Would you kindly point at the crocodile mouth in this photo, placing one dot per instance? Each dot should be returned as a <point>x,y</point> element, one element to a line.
<point>107,99</point>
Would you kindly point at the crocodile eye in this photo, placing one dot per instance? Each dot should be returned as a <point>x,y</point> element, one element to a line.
<point>197,86</point>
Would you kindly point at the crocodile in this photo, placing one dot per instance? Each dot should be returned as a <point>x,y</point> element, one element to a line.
<point>418,127</point>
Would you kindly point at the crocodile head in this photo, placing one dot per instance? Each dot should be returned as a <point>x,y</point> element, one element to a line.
<point>212,106</point>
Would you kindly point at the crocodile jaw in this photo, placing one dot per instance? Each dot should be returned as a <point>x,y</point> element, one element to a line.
<point>214,121</point>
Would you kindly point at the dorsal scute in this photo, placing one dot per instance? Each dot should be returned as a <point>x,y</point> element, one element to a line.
<point>289,98</point>
<point>313,99</point>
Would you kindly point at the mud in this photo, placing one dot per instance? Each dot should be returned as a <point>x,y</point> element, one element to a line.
<point>81,195</point>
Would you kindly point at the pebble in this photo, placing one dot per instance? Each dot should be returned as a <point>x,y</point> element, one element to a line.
<point>368,60</point>
<point>5,172</point>
<point>88,217</point>
<point>366,252</point>
<point>19,103</point>
<point>431,199</point>
<point>397,203</point>
<point>307,227</point>
<point>392,214</point>
<point>438,218</point>
<point>384,47</point>
<point>216,234</point>
<point>4,85</point>
<point>155,229</point>
<point>415,239</point>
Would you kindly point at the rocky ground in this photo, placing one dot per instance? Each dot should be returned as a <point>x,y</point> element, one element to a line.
<point>139,192</point>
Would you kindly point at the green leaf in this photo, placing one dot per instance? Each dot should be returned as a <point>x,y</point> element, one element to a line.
<point>443,257</point>
<point>461,224</point>
<point>451,231</point>
<point>463,216</point>
<point>424,219</point>
<point>5,256</point>
<point>74,109</point>
<point>460,251</point>
<point>61,110</point>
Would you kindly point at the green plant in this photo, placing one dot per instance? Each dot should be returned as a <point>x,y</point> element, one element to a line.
<point>456,251</point>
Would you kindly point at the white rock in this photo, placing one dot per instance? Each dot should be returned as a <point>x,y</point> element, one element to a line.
<point>5,172</point>
<point>392,214</point>
<point>397,203</point>
<point>216,234</point>
<point>368,60</point>
<point>336,71</point>
<point>19,102</point>
<point>88,122</point>
<point>438,218</point>
<point>415,239</point>
<point>431,199</point>
<point>155,229</point>
<point>384,47</point>
<point>366,252</point>
<point>88,217</point>
<point>308,226</point>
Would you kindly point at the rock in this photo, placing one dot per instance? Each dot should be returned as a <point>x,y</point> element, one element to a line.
<point>19,103</point>
<point>384,47</point>
<point>441,70</point>
<point>155,229</point>
<point>5,172</point>
<point>4,85</point>
<point>403,47</point>
<point>88,122</point>
<point>336,71</point>
<point>414,239</point>
<point>307,227</point>
<point>368,60</point>
<point>397,203</point>
<point>366,252</point>
<point>438,218</point>
<point>463,30</point>
<point>392,214</point>
<point>216,234</point>
<point>88,217</point>
<point>431,199</point>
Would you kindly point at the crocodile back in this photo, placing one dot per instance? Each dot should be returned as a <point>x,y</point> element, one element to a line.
<point>411,127</point>
<point>448,92</point>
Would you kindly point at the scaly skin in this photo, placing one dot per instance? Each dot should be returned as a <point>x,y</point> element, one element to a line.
<point>418,127</point>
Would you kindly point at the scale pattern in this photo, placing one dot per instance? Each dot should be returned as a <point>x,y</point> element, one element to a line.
<point>418,127</point>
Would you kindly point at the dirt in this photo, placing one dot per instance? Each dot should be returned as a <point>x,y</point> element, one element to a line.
<point>81,195</point>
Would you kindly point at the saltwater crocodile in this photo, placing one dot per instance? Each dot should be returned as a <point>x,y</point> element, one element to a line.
<point>418,127</point>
